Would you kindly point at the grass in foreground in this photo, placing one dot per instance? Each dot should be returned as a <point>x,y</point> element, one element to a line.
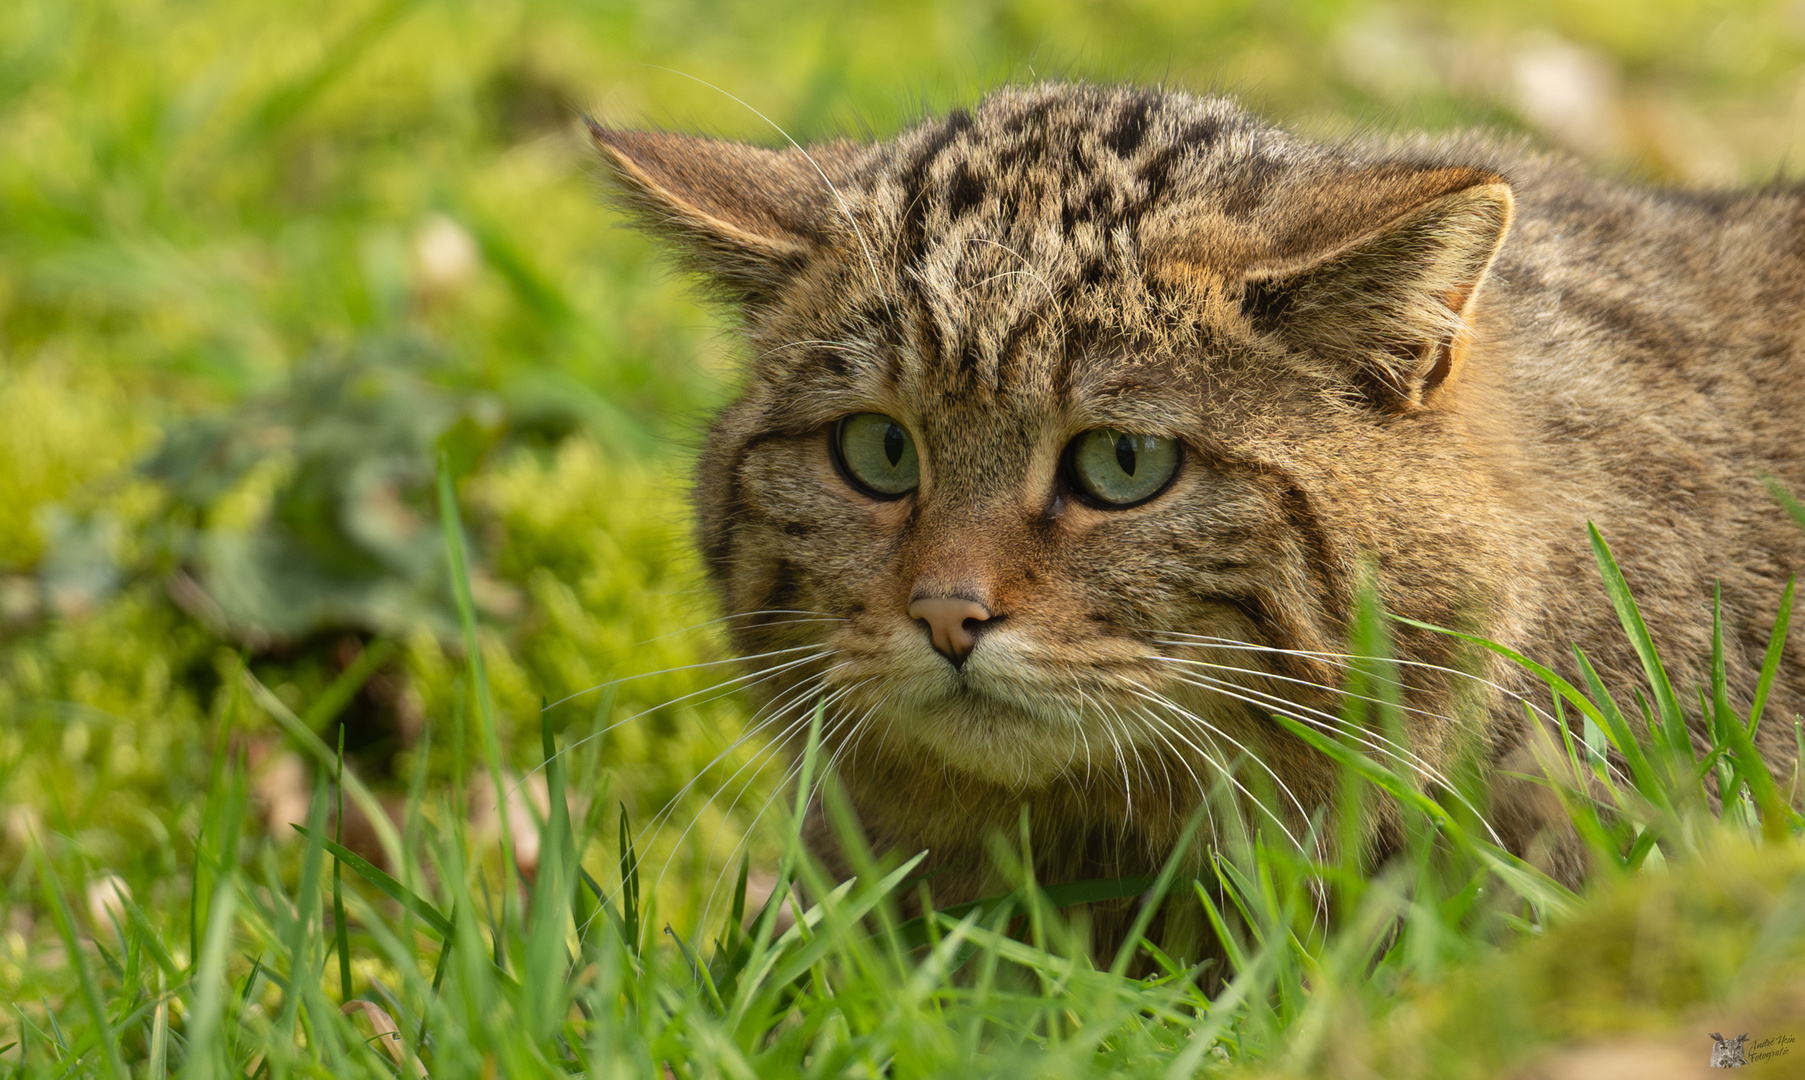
<point>1454,959</point>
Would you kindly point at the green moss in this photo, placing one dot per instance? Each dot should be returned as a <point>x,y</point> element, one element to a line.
<point>1714,935</point>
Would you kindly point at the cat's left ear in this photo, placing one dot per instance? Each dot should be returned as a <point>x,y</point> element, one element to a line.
<point>745,217</point>
<point>1393,305</point>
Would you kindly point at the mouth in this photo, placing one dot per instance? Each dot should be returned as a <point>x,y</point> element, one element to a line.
<point>1020,728</point>
<point>1022,710</point>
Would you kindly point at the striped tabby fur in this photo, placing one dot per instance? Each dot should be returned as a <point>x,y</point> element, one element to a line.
<point>1437,357</point>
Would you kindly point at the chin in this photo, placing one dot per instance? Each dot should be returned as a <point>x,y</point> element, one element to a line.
<point>956,727</point>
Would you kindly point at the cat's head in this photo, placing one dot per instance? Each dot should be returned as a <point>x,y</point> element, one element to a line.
<point>1054,404</point>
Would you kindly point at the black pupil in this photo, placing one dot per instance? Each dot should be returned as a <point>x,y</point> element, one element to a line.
<point>894,443</point>
<point>1125,454</point>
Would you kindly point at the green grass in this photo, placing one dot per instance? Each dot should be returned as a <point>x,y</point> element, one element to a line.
<point>458,967</point>
<point>211,210</point>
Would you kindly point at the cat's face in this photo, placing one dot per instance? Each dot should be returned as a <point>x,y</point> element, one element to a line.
<point>1049,411</point>
<point>1072,499</point>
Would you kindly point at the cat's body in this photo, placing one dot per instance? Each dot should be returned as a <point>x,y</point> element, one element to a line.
<point>1442,356</point>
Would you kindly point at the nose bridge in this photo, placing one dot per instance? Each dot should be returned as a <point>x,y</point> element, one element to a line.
<point>968,548</point>
<point>955,582</point>
<point>959,553</point>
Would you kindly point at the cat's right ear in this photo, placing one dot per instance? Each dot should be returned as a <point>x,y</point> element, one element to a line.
<point>746,218</point>
<point>1390,300</point>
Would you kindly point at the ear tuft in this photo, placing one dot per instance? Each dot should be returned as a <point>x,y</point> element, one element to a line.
<point>1393,305</point>
<point>746,217</point>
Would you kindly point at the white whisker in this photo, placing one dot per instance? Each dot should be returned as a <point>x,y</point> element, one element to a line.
<point>681,667</point>
<point>782,701</point>
<point>725,687</point>
<point>1227,773</point>
<point>1345,660</point>
<point>1329,724</point>
<point>802,719</point>
<point>1400,706</point>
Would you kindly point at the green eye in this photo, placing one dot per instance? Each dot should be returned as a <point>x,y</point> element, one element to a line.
<point>1120,469</point>
<point>877,455</point>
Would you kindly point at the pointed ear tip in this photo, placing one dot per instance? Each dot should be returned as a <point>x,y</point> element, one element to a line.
<point>629,143</point>
<point>614,140</point>
<point>1493,199</point>
<point>633,157</point>
<point>1500,190</point>
<point>1494,189</point>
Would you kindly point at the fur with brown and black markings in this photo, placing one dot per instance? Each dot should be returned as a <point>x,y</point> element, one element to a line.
<point>1439,357</point>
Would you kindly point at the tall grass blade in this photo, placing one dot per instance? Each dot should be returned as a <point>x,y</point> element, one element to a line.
<point>1770,664</point>
<point>90,991</point>
<point>439,924</point>
<point>204,1050</point>
<point>458,560</point>
<point>307,894</point>
<point>1651,783</point>
<point>759,960</point>
<point>1181,851</point>
<point>156,1065</point>
<point>316,748</point>
<point>1667,704</point>
<point>342,689</point>
<point>341,933</point>
<point>629,887</point>
<point>1620,736</point>
<point>546,964</point>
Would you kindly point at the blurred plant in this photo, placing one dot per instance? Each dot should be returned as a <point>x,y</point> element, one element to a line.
<point>309,508</point>
<point>301,525</point>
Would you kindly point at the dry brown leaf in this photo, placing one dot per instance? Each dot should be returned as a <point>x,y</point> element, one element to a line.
<point>387,1035</point>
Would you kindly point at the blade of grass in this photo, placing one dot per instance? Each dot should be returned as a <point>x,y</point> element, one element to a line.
<point>266,699</point>
<point>1622,740</point>
<point>156,1066</point>
<point>340,931</point>
<point>1155,896</point>
<point>439,924</point>
<point>306,896</point>
<point>90,991</point>
<point>203,1049</point>
<point>736,914</point>
<point>1371,771</point>
<point>1776,816</point>
<point>146,935</point>
<point>339,693</point>
<point>1231,942</point>
<point>746,990</point>
<point>1786,500</point>
<point>458,560</point>
<point>1667,704</point>
<point>546,958</point>
<point>851,911</point>
<point>1770,664</point>
<point>1649,782</point>
<point>629,886</point>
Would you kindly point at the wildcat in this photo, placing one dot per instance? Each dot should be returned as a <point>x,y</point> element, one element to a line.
<point>1072,421</point>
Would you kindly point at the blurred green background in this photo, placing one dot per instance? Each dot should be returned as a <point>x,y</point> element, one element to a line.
<point>263,264</point>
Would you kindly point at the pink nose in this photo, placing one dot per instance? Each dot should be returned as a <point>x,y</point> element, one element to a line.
<point>952,622</point>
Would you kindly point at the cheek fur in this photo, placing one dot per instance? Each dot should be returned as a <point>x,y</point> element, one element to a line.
<point>804,538</point>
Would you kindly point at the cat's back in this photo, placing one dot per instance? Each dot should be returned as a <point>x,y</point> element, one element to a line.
<point>1643,350</point>
<point>1680,307</point>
